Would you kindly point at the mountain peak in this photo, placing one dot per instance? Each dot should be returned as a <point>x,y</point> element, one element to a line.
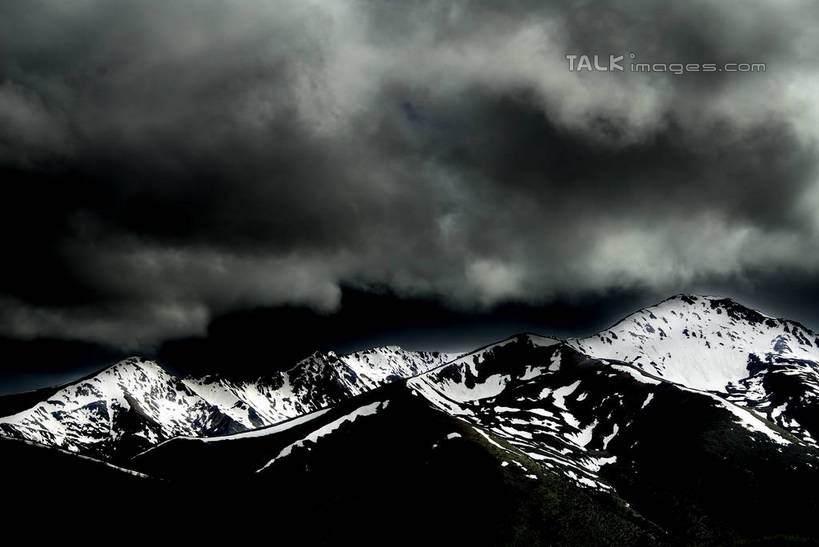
<point>136,362</point>
<point>693,299</point>
<point>705,342</point>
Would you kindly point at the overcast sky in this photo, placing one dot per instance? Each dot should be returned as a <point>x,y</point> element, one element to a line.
<point>164,163</point>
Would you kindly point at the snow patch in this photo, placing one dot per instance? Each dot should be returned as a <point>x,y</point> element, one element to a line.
<point>607,439</point>
<point>560,394</point>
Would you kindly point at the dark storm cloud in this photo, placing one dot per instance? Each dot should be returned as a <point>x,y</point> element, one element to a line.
<point>167,162</point>
<point>365,319</point>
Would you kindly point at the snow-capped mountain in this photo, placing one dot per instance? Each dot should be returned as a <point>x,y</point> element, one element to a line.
<point>558,406</point>
<point>321,380</point>
<point>759,362</point>
<point>537,398</point>
<point>129,406</point>
<point>680,424</point>
<point>136,404</point>
<point>540,417</point>
<point>701,342</point>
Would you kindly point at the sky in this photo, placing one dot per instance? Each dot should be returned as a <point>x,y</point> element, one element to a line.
<point>170,167</point>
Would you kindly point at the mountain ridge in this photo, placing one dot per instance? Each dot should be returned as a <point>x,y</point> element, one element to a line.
<point>759,383</point>
<point>97,401</point>
<point>544,417</point>
<point>530,439</point>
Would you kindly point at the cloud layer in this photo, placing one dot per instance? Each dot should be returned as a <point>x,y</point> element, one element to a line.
<point>165,162</point>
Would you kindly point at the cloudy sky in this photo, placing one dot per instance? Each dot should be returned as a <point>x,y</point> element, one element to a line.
<point>165,163</point>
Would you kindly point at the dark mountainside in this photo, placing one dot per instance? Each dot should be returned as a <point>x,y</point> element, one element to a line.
<point>527,441</point>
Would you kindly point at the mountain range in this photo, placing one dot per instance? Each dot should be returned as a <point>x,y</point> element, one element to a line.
<point>692,421</point>
<point>136,404</point>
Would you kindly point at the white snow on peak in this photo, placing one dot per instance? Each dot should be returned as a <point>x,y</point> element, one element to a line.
<point>479,354</point>
<point>86,416</point>
<point>319,381</point>
<point>701,342</point>
<point>446,387</point>
<point>83,416</point>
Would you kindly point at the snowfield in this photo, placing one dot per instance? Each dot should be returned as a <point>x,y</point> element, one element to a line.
<point>700,342</point>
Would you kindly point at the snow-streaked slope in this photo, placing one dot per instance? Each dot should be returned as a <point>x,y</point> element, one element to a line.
<point>516,392</point>
<point>449,381</point>
<point>327,429</point>
<point>785,393</point>
<point>319,381</point>
<point>538,401</point>
<point>563,409</point>
<point>134,399</point>
<point>701,342</point>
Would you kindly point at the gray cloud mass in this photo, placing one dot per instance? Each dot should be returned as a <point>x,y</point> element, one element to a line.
<point>163,162</point>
